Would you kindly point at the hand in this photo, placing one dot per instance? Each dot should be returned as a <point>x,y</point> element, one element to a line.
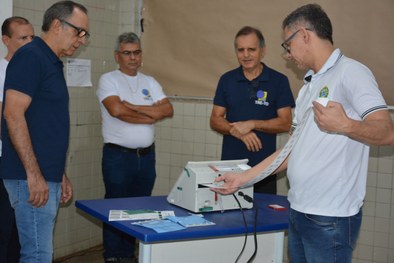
<point>67,191</point>
<point>240,128</point>
<point>331,118</point>
<point>252,142</point>
<point>38,189</point>
<point>231,183</point>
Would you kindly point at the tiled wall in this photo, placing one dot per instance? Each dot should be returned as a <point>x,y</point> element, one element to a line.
<point>185,137</point>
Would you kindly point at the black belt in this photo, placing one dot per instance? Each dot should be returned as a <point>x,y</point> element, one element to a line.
<point>138,151</point>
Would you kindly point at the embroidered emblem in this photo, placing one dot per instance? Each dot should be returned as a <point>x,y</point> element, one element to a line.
<point>262,98</point>
<point>324,92</point>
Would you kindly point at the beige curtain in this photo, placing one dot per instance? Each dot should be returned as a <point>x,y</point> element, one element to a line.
<point>188,44</point>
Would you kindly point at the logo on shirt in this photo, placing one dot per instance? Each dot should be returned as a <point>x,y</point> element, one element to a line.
<point>146,94</point>
<point>324,92</point>
<point>261,98</point>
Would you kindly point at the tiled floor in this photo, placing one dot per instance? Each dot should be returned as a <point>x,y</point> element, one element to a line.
<point>93,255</point>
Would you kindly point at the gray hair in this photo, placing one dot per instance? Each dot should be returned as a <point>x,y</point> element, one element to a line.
<point>248,30</point>
<point>61,11</point>
<point>313,17</point>
<point>128,37</point>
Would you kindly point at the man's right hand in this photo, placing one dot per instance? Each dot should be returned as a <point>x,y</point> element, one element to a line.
<point>38,189</point>
<point>252,142</point>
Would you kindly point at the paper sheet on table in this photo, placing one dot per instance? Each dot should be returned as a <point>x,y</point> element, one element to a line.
<point>190,221</point>
<point>174,223</point>
<point>142,214</point>
<point>160,226</point>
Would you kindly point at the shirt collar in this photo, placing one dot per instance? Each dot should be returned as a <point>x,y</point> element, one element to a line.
<point>264,75</point>
<point>331,61</point>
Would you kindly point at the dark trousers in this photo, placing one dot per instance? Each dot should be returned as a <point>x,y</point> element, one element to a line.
<point>266,186</point>
<point>125,174</point>
<point>9,241</point>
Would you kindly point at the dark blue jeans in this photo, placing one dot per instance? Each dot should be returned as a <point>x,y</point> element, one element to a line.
<point>9,241</point>
<point>125,174</point>
<point>322,239</point>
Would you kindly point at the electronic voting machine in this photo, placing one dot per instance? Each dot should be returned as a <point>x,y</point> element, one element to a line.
<point>192,189</point>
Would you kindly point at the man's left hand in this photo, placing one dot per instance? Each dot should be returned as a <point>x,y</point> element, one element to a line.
<point>240,128</point>
<point>67,191</point>
<point>331,118</point>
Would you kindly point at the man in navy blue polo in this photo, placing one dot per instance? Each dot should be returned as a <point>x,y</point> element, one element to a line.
<point>35,128</point>
<point>252,104</point>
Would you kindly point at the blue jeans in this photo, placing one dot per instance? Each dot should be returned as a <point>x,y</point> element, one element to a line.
<point>35,225</point>
<point>322,239</point>
<point>125,174</point>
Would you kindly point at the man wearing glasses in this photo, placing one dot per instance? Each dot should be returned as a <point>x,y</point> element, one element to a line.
<point>35,128</point>
<point>341,111</point>
<point>130,102</point>
<point>252,104</point>
<point>16,31</point>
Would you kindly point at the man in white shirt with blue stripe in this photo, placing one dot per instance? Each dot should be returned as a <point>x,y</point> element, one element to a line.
<point>327,167</point>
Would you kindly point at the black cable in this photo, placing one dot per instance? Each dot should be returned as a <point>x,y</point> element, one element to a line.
<point>246,229</point>
<point>250,200</point>
<point>254,236</point>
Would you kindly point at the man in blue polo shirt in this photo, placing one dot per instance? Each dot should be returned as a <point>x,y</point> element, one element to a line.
<point>252,104</point>
<point>35,128</point>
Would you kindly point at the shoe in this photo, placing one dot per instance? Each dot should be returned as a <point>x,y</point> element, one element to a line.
<point>125,260</point>
<point>119,260</point>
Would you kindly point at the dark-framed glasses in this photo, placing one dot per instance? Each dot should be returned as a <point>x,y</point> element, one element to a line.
<point>286,43</point>
<point>80,31</point>
<point>128,53</point>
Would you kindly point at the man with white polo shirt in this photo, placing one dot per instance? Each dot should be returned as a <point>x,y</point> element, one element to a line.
<point>342,112</point>
<point>130,103</point>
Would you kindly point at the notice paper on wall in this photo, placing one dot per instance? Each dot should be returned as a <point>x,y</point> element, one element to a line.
<point>78,72</point>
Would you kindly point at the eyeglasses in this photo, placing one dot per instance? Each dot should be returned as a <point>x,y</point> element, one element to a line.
<point>80,31</point>
<point>286,43</point>
<point>128,53</point>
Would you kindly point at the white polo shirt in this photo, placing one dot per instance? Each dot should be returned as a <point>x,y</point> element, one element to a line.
<point>139,90</point>
<point>328,172</point>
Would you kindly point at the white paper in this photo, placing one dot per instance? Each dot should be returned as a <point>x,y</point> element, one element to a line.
<point>121,215</point>
<point>78,72</point>
<point>213,185</point>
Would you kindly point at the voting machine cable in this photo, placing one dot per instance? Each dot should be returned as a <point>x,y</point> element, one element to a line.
<point>250,200</point>
<point>246,229</point>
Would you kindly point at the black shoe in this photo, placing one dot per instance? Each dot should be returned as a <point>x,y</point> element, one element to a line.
<point>125,260</point>
<point>119,260</point>
<point>111,260</point>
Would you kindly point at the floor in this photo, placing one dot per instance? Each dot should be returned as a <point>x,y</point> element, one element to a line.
<point>92,255</point>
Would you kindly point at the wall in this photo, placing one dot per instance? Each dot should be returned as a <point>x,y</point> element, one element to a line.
<point>185,137</point>
<point>5,11</point>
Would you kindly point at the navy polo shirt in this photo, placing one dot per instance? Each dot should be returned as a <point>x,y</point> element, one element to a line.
<point>37,72</point>
<point>258,99</point>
